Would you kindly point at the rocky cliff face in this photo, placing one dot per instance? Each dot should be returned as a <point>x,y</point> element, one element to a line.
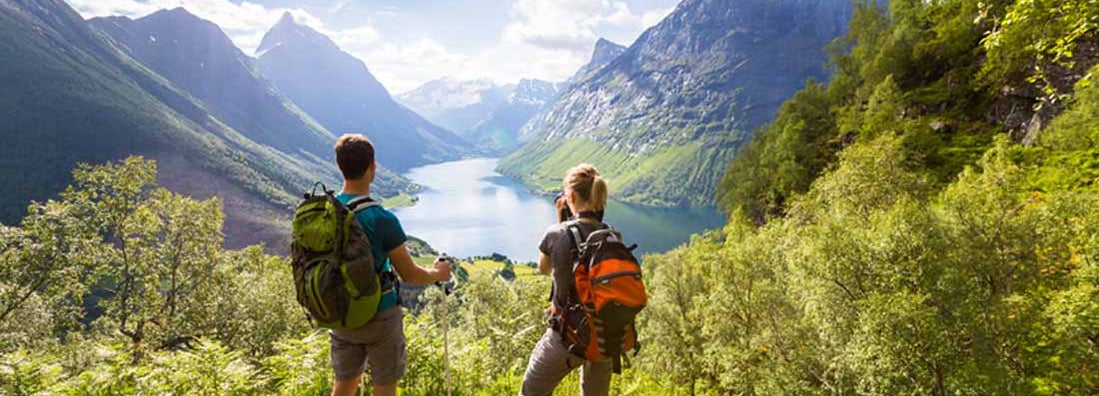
<point>604,52</point>
<point>695,84</point>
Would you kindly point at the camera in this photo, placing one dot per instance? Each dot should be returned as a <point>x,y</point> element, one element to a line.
<point>564,214</point>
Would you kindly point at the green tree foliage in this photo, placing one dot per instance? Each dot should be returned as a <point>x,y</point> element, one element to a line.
<point>1037,39</point>
<point>121,287</point>
<point>117,269</point>
<point>784,157</point>
<point>944,76</point>
<point>874,283</point>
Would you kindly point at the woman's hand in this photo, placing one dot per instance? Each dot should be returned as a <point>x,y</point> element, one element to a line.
<point>562,206</point>
<point>544,265</point>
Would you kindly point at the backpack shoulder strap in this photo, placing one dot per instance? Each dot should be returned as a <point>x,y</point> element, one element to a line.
<point>360,203</point>
<point>579,241</point>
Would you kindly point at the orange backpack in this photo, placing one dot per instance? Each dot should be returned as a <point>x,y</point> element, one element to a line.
<point>598,324</point>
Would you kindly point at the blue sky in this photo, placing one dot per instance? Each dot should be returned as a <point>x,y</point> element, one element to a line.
<point>408,42</point>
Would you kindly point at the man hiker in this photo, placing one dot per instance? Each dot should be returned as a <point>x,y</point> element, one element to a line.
<point>380,343</point>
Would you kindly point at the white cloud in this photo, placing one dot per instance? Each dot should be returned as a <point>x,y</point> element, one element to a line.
<point>339,6</point>
<point>546,39</point>
<point>572,24</point>
<point>353,40</point>
<point>403,67</point>
<point>653,17</point>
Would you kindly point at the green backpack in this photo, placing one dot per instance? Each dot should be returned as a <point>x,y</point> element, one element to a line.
<point>333,263</point>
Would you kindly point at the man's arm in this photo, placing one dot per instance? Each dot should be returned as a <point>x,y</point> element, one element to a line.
<point>414,274</point>
<point>544,264</point>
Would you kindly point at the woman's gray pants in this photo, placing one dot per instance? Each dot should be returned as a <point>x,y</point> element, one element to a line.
<point>551,362</point>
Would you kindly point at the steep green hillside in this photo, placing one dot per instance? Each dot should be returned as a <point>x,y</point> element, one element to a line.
<point>935,78</point>
<point>927,223</point>
<point>662,176</point>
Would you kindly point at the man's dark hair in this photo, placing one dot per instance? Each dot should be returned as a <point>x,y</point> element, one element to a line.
<point>354,155</point>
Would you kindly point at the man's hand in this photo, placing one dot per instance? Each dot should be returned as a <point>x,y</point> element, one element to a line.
<point>442,270</point>
<point>414,274</point>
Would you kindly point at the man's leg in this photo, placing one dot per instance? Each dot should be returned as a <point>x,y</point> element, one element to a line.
<point>549,363</point>
<point>380,342</point>
<point>348,362</point>
<point>386,354</point>
<point>385,390</point>
<point>595,378</point>
<point>347,387</point>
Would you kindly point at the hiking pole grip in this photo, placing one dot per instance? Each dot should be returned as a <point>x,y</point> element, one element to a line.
<point>446,286</point>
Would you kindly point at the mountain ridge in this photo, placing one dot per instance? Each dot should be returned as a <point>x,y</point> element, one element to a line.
<point>197,56</point>
<point>664,117</point>
<point>83,100</point>
<point>339,91</point>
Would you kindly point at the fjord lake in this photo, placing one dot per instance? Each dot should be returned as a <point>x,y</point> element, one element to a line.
<point>468,209</point>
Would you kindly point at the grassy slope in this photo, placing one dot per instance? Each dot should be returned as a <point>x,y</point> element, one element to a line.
<point>401,200</point>
<point>489,267</point>
<point>665,176</point>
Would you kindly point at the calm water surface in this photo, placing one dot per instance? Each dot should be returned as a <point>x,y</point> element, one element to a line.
<point>467,209</point>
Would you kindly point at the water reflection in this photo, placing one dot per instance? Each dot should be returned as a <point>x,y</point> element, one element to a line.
<point>467,209</point>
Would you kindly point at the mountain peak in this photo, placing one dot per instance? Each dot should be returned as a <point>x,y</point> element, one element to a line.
<point>175,14</point>
<point>287,29</point>
<point>177,22</point>
<point>603,43</point>
<point>287,17</point>
<point>337,90</point>
<point>605,51</point>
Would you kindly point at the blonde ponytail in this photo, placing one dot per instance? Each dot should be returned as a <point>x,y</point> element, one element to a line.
<point>584,180</point>
<point>598,198</point>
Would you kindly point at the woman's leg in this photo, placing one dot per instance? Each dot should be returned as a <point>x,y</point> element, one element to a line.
<point>549,363</point>
<point>595,378</point>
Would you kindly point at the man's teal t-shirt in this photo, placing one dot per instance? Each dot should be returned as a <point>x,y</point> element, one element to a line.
<point>385,233</point>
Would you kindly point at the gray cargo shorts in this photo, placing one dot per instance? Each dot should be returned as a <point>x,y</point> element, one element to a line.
<point>379,344</point>
<point>551,362</point>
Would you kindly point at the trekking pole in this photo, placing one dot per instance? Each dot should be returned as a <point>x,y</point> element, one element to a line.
<point>446,344</point>
<point>446,324</point>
